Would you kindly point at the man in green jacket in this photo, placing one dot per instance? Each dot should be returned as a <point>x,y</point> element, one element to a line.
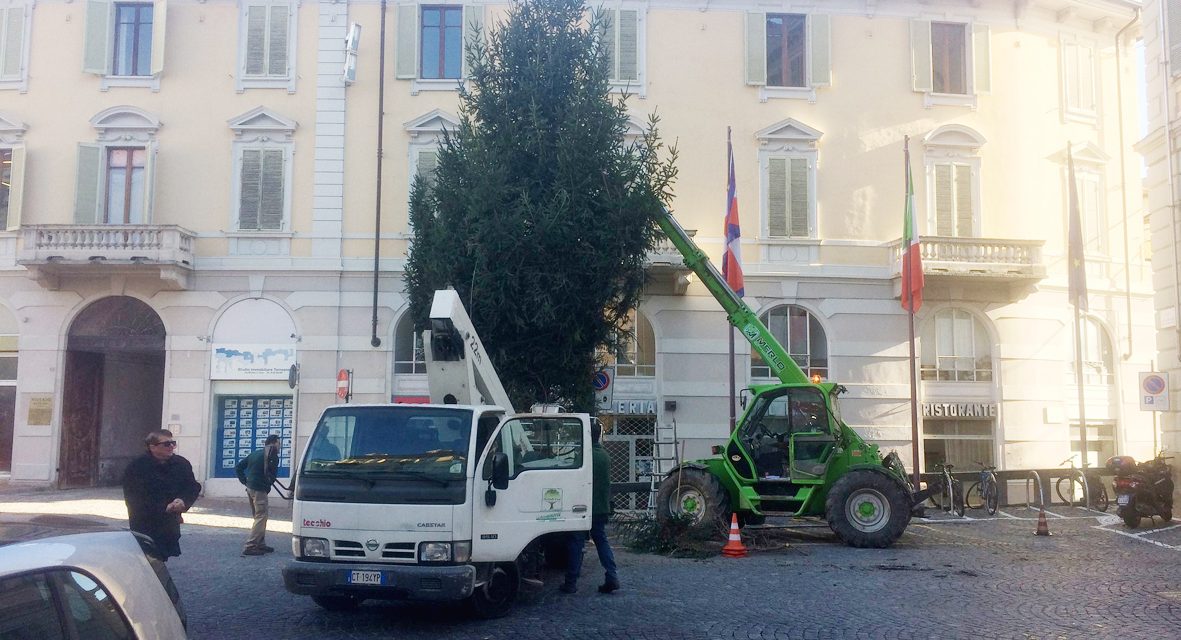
<point>600,512</point>
<point>257,471</point>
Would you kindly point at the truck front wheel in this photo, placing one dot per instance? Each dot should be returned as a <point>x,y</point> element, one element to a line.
<point>696,497</point>
<point>494,597</point>
<point>867,509</point>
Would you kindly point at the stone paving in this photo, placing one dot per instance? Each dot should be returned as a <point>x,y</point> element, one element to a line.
<point>946,578</point>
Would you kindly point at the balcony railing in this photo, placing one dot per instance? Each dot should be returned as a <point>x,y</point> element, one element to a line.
<point>666,265</point>
<point>978,257</point>
<point>61,250</point>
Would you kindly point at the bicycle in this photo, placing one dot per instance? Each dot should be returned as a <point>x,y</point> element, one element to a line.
<point>950,490</point>
<point>984,492</point>
<point>1080,483</point>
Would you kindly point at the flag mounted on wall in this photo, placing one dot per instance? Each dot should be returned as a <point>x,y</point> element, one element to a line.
<point>1077,266</point>
<point>732,256</point>
<point>912,262</point>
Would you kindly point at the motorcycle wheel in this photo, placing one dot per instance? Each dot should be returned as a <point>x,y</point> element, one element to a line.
<point>1166,514</point>
<point>1131,516</point>
<point>1101,499</point>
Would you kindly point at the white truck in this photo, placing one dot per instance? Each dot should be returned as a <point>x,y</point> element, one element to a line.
<point>456,500</point>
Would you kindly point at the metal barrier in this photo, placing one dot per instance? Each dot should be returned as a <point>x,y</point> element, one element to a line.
<point>1044,479</point>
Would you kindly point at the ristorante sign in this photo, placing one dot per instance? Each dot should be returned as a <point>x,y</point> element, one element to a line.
<point>971,410</point>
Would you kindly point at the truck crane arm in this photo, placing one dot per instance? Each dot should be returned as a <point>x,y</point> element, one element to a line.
<point>737,312</point>
<point>458,368</point>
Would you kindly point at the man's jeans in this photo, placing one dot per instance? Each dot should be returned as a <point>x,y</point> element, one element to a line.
<point>258,532</point>
<point>598,534</point>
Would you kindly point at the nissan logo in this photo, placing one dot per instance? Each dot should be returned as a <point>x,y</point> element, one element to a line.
<point>371,545</point>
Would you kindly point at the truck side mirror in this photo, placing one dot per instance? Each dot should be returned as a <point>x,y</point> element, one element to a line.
<point>500,470</point>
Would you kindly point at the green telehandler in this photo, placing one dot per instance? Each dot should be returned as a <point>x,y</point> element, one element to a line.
<point>791,453</point>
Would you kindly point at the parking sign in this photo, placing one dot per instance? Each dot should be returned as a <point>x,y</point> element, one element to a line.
<point>1154,391</point>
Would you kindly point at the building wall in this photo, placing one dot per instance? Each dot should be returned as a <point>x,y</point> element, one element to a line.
<point>319,268</point>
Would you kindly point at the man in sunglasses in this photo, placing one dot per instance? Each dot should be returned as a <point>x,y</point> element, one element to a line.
<point>157,487</point>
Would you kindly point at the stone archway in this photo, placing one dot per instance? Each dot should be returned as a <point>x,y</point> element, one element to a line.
<point>114,390</point>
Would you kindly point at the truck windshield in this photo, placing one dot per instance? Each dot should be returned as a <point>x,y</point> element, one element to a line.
<point>396,442</point>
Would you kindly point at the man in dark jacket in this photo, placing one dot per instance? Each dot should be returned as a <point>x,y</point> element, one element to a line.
<point>600,512</point>
<point>257,471</point>
<point>158,487</point>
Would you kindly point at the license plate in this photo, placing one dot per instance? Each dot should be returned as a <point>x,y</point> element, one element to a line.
<point>366,577</point>
<point>1123,500</point>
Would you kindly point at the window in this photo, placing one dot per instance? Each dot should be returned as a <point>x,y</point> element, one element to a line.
<point>409,356</point>
<point>431,42</point>
<point>635,348</point>
<point>1090,204</point>
<point>949,61</point>
<point>426,134</point>
<point>266,48</point>
<point>952,157</point>
<point>59,604</point>
<point>1078,79</point>
<point>954,215</point>
<point>1098,358</point>
<point>1100,442</point>
<point>955,347</point>
<point>963,443</point>
<point>787,163</point>
<point>263,155</point>
<point>115,174</point>
<point>12,169</point>
<point>621,31</point>
<point>125,168</point>
<point>1173,29</point>
<point>124,40</point>
<point>787,53</point>
<point>801,334</point>
<point>14,38</point>
<point>536,444</point>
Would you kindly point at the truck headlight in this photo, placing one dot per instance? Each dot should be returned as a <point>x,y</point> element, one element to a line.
<point>314,547</point>
<point>434,552</point>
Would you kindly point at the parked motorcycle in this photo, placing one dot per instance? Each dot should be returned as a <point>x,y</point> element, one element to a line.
<point>1143,490</point>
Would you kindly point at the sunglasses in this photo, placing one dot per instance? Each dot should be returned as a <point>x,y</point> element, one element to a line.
<point>166,443</point>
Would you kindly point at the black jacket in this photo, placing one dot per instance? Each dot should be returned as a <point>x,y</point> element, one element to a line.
<point>148,487</point>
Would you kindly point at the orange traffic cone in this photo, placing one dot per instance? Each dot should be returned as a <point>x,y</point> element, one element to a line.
<point>1043,529</point>
<point>734,547</point>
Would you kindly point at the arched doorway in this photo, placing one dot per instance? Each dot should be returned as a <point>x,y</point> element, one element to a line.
<point>114,390</point>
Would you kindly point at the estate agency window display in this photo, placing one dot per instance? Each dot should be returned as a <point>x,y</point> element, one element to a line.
<point>243,424</point>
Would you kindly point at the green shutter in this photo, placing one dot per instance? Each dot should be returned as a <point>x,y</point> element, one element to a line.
<point>16,188</point>
<point>1173,29</point>
<point>473,28</point>
<point>963,201</point>
<point>96,47</point>
<point>426,165</point>
<point>920,55</point>
<point>250,185</point>
<point>756,48</point>
<point>256,40</point>
<point>944,201</point>
<point>629,45</point>
<point>151,150</point>
<point>280,23</point>
<point>607,31</point>
<point>12,31</point>
<point>159,18</point>
<point>981,73</point>
<point>86,188</point>
<point>777,197</point>
<point>798,195</point>
<point>819,47</point>
<point>271,191</point>
<point>406,45</point>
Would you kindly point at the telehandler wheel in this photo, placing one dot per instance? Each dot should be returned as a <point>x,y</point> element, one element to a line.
<point>696,495</point>
<point>867,509</point>
<point>495,597</point>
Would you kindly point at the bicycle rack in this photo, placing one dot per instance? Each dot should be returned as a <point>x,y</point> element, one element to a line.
<point>1041,496</point>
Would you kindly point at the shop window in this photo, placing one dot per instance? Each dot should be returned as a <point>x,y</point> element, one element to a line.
<point>1100,442</point>
<point>955,348</point>
<point>635,348</point>
<point>409,356</point>
<point>243,424</point>
<point>1098,356</point>
<point>801,334</point>
<point>963,443</point>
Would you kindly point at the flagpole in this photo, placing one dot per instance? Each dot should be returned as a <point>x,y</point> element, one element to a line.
<point>914,391</point>
<point>1078,373</point>
<point>1077,280</point>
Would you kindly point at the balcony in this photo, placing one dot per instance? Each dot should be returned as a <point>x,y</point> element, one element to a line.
<point>980,260</point>
<point>52,252</point>
<point>666,266</point>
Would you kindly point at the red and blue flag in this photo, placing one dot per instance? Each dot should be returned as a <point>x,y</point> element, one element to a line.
<point>732,256</point>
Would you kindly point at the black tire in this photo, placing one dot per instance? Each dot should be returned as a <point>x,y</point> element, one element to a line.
<point>1102,502</point>
<point>1062,487</point>
<point>1166,514</point>
<point>1131,516</point>
<point>974,498</point>
<point>992,498</point>
<point>338,603</point>
<point>696,495</point>
<point>867,509</point>
<point>495,597</point>
<point>957,497</point>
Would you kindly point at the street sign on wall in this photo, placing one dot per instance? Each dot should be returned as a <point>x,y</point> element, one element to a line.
<point>1154,391</point>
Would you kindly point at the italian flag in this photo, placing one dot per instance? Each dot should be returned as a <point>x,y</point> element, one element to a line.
<point>912,262</point>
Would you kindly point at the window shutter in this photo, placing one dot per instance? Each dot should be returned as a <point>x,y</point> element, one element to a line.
<point>256,40</point>
<point>272,192</point>
<point>86,188</point>
<point>1086,78</point>
<point>981,65</point>
<point>473,27</point>
<point>12,23</point>
<point>248,201</point>
<point>963,201</point>
<point>629,42</point>
<point>944,202</point>
<point>798,191</point>
<point>17,188</point>
<point>406,46</point>
<point>96,48</point>
<point>277,48</point>
<point>159,16</point>
<point>150,151</point>
<point>920,55</point>
<point>427,166</point>
<point>607,29</point>
<point>756,48</point>
<point>1173,29</point>
<point>820,49</point>
<point>777,197</point>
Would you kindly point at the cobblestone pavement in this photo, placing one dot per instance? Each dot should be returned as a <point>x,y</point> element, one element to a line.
<point>972,578</point>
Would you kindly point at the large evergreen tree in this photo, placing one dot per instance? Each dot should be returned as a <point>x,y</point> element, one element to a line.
<point>541,211</point>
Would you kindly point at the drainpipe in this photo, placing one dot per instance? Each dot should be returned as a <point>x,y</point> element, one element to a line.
<point>1168,110</point>
<point>374,340</point>
<point>1123,177</point>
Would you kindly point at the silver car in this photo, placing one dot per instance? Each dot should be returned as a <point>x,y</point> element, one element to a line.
<point>73,578</point>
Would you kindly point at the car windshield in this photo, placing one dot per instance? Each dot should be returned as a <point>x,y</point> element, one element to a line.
<point>410,441</point>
